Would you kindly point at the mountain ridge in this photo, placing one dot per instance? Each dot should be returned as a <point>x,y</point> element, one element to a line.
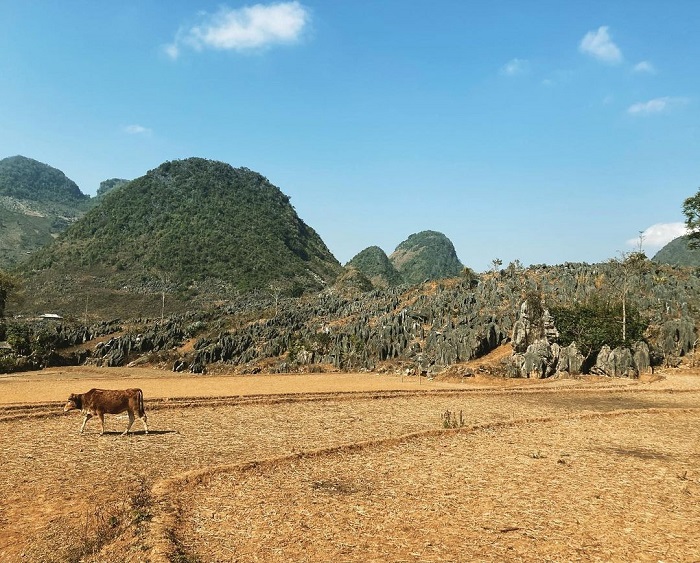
<point>37,203</point>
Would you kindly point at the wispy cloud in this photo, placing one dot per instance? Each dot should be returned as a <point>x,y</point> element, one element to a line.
<point>600,45</point>
<point>657,105</point>
<point>515,67</point>
<point>644,67</point>
<point>137,130</point>
<point>658,235</point>
<point>249,28</point>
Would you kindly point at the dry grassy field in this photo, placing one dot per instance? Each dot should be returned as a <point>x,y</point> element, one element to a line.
<point>352,467</point>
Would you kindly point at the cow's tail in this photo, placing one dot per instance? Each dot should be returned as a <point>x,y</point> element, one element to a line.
<point>142,411</point>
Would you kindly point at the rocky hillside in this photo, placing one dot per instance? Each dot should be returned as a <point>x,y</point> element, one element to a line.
<point>193,229</point>
<point>678,253</point>
<point>427,255</point>
<point>37,202</point>
<point>557,319</point>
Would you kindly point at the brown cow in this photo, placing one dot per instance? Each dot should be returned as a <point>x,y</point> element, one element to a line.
<point>108,401</point>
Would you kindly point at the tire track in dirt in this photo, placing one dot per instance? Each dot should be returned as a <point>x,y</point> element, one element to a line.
<point>162,534</point>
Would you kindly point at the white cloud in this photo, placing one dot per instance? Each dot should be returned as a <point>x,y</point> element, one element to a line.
<point>598,44</point>
<point>644,67</point>
<point>137,130</point>
<point>658,235</point>
<point>657,105</point>
<point>172,50</point>
<point>515,67</point>
<point>248,28</point>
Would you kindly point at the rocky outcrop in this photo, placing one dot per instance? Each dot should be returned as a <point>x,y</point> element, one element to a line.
<point>678,337</point>
<point>536,352</point>
<point>118,351</point>
<point>418,329</point>
<point>425,331</point>
<point>570,360</point>
<point>623,362</point>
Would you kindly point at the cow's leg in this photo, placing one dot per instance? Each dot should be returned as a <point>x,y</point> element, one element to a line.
<point>102,420</point>
<point>131,421</point>
<point>144,419</point>
<point>87,416</point>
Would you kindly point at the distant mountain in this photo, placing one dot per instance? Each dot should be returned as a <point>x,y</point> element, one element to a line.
<point>678,253</point>
<point>37,202</point>
<point>427,255</point>
<point>376,266</point>
<point>109,185</point>
<point>189,225</point>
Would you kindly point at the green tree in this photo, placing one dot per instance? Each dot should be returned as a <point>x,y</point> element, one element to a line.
<point>691,210</point>
<point>632,265</point>
<point>7,285</point>
<point>596,323</point>
<point>19,337</point>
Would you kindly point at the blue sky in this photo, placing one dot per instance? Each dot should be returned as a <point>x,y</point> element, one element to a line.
<point>539,131</point>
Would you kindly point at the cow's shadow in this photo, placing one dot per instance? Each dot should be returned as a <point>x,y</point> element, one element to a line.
<point>139,433</point>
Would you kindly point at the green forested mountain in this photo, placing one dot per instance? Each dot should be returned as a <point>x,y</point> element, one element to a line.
<point>678,253</point>
<point>427,255</point>
<point>25,178</point>
<point>37,202</point>
<point>375,265</point>
<point>190,223</point>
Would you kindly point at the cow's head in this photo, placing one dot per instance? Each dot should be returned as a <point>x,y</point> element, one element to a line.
<point>74,402</point>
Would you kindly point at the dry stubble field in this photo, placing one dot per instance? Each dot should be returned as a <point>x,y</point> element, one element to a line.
<point>352,467</point>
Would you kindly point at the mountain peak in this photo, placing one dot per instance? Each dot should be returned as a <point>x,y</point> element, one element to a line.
<point>194,222</point>
<point>25,178</point>
<point>427,255</point>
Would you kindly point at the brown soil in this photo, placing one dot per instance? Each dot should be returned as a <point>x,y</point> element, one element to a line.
<point>352,467</point>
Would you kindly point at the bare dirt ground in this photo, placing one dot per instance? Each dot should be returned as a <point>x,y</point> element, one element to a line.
<point>352,467</point>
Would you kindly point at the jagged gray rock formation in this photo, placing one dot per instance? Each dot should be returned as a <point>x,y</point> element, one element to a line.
<point>536,352</point>
<point>419,329</point>
<point>570,359</point>
<point>118,351</point>
<point>678,338</point>
<point>623,362</point>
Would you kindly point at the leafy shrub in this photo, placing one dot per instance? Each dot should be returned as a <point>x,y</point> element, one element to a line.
<point>595,324</point>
